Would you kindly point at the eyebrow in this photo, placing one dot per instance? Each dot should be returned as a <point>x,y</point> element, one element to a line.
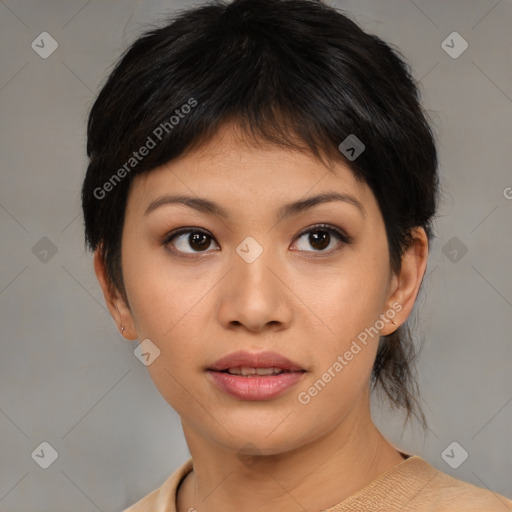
<point>209,207</point>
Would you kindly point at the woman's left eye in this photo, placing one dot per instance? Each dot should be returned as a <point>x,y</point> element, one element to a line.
<point>320,238</point>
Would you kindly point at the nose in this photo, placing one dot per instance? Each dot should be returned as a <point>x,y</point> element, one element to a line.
<point>255,295</point>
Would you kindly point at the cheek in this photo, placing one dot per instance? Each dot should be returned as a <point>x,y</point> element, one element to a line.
<point>166,303</point>
<point>162,295</point>
<point>351,299</point>
<point>165,307</point>
<point>349,303</point>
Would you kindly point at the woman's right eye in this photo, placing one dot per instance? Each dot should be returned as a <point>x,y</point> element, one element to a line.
<point>184,239</point>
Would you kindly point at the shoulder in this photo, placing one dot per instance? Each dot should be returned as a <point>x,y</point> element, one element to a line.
<point>145,504</point>
<point>415,486</point>
<point>163,499</point>
<point>446,493</point>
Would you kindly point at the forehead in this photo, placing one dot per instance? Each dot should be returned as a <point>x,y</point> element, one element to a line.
<point>231,162</point>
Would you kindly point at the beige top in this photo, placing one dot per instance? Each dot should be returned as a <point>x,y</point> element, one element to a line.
<point>411,485</point>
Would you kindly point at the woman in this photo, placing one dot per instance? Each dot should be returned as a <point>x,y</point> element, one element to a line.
<point>259,197</point>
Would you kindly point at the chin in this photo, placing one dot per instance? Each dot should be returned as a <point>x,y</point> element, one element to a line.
<point>252,438</point>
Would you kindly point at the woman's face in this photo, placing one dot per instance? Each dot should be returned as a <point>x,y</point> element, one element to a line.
<point>259,277</point>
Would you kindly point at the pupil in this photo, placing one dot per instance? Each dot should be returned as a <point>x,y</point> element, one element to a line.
<point>195,238</point>
<point>322,240</point>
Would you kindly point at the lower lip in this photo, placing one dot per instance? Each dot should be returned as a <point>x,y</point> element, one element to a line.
<point>255,387</point>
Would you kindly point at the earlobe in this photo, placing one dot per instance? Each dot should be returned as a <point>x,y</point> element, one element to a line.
<point>406,284</point>
<point>116,304</point>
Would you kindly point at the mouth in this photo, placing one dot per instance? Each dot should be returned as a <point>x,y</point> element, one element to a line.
<point>245,371</point>
<point>250,363</point>
<point>255,376</point>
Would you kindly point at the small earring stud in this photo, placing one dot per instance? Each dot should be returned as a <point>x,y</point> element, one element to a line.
<point>122,328</point>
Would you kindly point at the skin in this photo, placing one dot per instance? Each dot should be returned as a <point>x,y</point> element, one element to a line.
<point>305,303</point>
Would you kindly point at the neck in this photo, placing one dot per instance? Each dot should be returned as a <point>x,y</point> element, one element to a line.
<point>311,477</point>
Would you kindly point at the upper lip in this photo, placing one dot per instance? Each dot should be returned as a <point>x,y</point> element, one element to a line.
<point>255,360</point>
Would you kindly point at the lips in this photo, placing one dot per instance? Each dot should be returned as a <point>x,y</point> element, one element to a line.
<point>255,376</point>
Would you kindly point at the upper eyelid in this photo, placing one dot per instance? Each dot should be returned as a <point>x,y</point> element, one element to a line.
<point>326,227</point>
<point>192,229</point>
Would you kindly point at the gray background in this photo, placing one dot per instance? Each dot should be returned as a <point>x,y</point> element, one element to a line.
<point>68,378</point>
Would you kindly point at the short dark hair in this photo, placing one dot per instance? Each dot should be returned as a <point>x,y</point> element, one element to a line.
<point>295,73</point>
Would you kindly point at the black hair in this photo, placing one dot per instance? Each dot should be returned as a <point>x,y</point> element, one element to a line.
<point>295,73</point>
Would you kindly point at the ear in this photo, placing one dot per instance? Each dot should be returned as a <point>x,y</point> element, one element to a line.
<point>116,304</point>
<point>406,284</point>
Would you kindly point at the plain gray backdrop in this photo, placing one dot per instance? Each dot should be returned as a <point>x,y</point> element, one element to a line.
<point>68,378</point>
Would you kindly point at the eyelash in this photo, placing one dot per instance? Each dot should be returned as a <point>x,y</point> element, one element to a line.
<point>342,237</point>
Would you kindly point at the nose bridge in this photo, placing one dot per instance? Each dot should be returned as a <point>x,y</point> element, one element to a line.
<point>252,295</point>
<point>252,262</point>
